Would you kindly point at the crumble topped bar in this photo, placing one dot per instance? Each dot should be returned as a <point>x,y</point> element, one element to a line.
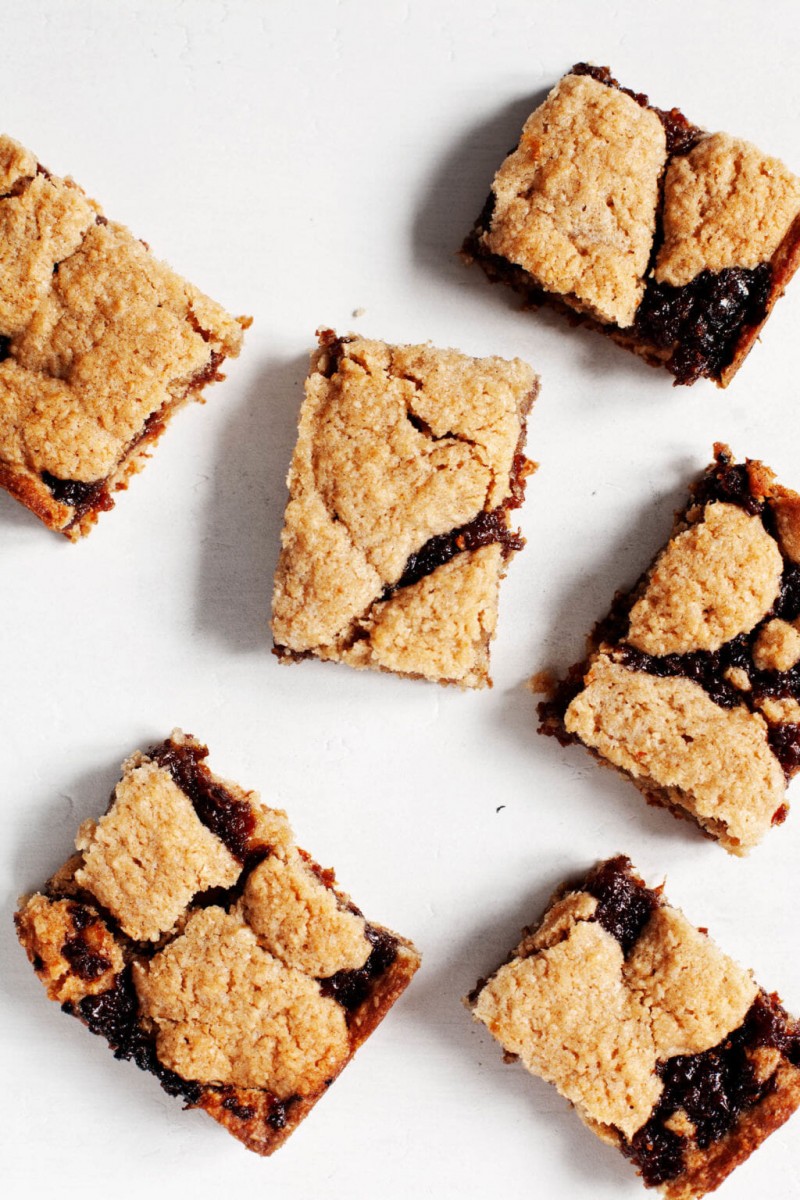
<point>665,1047</point>
<point>674,242</point>
<point>397,531</point>
<point>99,344</point>
<point>691,686</point>
<point>193,934</point>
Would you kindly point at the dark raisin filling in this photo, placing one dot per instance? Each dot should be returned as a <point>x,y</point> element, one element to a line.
<point>114,1016</point>
<point>80,496</point>
<point>784,742</point>
<point>625,903</point>
<point>85,962</point>
<point>230,819</point>
<point>352,988</point>
<point>729,483</point>
<point>712,1088</point>
<point>701,322</point>
<point>280,1112</point>
<point>484,530</point>
<point>245,1112</point>
<point>82,917</point>
<point>705,667</point>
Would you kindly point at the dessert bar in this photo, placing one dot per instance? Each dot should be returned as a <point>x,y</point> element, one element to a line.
<point>398,530</point>
<point>673,241</point>
<point>99,344</point>
<point>666,1048</point>
<point>193,934</point>
<point>691,686</point>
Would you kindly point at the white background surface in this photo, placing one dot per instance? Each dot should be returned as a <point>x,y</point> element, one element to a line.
<point>299,161</point>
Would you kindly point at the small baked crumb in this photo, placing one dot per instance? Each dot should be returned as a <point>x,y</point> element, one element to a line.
<point>542,683</point>
<point>777,647</point>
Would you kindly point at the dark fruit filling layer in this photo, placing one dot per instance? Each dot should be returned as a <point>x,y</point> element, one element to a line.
<point>625,904</point>
<point>81,496</point>
<point>484,530</point>
<point>114,1015</point>
<point>713,1089</point>
<point>701,322</point>
<point>230,819</point>
<point>352,988</point>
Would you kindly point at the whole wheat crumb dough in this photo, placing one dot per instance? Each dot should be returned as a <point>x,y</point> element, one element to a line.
<point>575,203</point>
<point>194,935</point>
<point>99,344</point>
<point>674,242</point>
<point>689,687</point>
<point>397,530</point>
<point>666,1047</point>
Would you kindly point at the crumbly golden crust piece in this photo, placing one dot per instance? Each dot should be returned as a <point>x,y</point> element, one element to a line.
<point>193,934</point>
<point>150,854</point>
<point>664,1045</point>
<point>725,205</point>
<point>300,920</point>
<point>672,737</point>
<point>715,580</point>
<point>777,647</point>
<point>226,1009</point>
<point>575,203</point>
<point>75,953</point>
<point>689,686</point>
<point>673,242</point>
<point>397,529</point>
<point>101,342</point>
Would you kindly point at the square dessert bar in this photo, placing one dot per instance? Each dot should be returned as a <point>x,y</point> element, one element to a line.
<point>673,241</point>
<point>99,344</point>
<point>691,686</point>
<point>193,934</point>
<point>666,1048</point>
<point>397,531</point>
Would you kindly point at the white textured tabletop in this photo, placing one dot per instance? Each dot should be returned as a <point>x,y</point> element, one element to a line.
<point>301,162</point>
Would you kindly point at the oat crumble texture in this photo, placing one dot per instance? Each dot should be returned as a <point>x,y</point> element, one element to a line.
<point>666,1048</point>
<point>192,933</point>
<point>397,530</point>
<point>100,343</point>
<point>674,242</point>
<point>690,686</point>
